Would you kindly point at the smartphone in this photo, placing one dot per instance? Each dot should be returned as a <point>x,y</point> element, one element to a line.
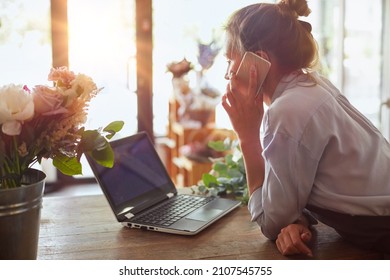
<point>262,67</point>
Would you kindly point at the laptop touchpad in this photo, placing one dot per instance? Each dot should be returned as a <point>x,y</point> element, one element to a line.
<point>204,214</point>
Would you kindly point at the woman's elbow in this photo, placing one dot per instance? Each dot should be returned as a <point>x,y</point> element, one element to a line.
<point>271,234</point>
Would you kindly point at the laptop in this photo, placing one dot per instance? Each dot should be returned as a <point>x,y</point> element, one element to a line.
<point>142,195</point>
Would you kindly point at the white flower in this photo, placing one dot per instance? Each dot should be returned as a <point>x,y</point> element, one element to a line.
<point>82,88</point>
<point>16,106</point>
<point>12,128</point>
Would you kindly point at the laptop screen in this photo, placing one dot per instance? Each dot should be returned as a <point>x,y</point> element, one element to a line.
<point>138,178</point>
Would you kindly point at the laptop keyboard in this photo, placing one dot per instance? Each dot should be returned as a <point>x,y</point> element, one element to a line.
<point>173,210</point>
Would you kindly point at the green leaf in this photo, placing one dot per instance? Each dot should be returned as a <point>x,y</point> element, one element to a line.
<point>81,130</point>
<point>220,167</point>
<point>104,157</point>
<point>236,181</point>
<point>97,146</point>
<point>218,146</point>
<point>241,165</point>
<point>68,166</point>
<point>208,179</point>
<point>234,173</point>
<point>92,140</point>
<point>223,180</point>
<point>229,171</point>
<point>113,128</point>
<point>213,185</point>
<point>202,189</point>
<point>229,160</point>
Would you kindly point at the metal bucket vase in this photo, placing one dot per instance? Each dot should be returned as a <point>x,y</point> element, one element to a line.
<point>20,213</point>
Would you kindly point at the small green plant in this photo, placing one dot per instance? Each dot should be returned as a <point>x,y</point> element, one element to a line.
<point>228,173</point>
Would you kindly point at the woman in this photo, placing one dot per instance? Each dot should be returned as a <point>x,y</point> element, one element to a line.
<point>315,152</point>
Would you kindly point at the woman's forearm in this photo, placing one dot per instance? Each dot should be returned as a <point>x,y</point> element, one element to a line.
<point>254,163</point>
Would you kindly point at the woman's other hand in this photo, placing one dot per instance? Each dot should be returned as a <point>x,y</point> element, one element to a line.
<point>293,240</point>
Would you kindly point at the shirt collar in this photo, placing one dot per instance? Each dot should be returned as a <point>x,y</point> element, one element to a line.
<point>289,81</point>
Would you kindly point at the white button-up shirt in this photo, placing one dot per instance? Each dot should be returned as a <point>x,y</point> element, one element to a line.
<point>318,150</point>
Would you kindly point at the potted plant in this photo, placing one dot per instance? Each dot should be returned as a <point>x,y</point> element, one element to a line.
<point>227,175</point>
<point>44,122</point>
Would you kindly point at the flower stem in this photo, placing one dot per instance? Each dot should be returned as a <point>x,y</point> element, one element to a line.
<point>11,170</point>
<point>7,182</point>
<point>17,163</point>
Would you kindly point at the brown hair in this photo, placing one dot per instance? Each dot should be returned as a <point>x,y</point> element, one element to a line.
<point>275,28</point>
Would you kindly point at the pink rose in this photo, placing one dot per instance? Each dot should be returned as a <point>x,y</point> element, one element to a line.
<point>48,101</point>
<point>62,76</point>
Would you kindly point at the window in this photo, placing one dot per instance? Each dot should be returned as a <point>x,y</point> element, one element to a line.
<point>362,56</point>
<point>102,45</point>
<point>29,34</point>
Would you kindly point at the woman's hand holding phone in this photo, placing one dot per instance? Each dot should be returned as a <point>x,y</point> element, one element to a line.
<point>244,109</point>
<point>246,112</point>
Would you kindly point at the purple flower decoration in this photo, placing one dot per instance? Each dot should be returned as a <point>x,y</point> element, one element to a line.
<point>207,54</point>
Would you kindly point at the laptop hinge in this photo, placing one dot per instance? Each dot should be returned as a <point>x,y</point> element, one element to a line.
<point>169,195</point>
<point>129,215</point>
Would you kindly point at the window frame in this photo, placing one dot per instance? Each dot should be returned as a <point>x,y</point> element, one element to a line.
<point>144,47</point>
<point>384,111</point>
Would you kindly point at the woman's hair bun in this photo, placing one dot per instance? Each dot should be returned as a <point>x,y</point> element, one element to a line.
<point>296,7</point>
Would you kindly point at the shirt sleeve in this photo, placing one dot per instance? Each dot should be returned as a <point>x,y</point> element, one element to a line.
<point>255,208</point>
<point>289,176</point>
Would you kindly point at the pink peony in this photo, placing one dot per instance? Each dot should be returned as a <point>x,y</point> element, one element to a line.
<point>61,76</point>
<point>15,104</point>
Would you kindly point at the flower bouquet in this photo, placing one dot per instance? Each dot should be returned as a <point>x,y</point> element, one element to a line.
<point>47,122</point>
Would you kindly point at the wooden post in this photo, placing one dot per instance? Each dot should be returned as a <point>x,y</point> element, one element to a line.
<point>144,65</point>
<point>59,32</point>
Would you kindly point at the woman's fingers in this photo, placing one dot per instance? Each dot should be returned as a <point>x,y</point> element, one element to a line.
<point>292,240</point>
